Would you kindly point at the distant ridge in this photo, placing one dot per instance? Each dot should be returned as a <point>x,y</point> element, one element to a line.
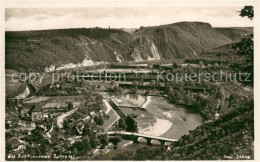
<point>36,50</point>
<point>234,33</point>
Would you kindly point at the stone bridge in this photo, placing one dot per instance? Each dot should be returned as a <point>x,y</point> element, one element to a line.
<point>136,137</point>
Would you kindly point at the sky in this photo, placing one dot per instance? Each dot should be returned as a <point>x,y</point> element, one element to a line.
<point>17,19</point>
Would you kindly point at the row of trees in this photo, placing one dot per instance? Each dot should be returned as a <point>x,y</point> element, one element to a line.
<point>207,103</point>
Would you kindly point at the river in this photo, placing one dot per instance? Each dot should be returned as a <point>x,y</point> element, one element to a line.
<point>162,118</point>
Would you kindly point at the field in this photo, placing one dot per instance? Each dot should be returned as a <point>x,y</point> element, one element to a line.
<point>36,99</point>
<point>121,70</point>
<point>237,89</point>
<point>60,104</point>
<point>12,85</point>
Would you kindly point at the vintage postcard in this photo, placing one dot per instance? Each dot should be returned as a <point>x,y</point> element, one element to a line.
<point>118,80</point>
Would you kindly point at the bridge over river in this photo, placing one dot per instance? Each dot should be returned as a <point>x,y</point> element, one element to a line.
<point>136,137</point>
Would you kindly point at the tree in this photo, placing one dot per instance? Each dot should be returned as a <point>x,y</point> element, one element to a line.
<point>122,124</point>
<point>93,142</point>
<point>247,11</point>
<point>147,93</point>
<point>220,93</point>
<point>201,64</point>
<point>7,125</point>
<point>135,83</point>
<point>99,120</point>
<point>153,83</point>
<point>133,90</point>
<point>70,106</point>
<point>141,82</point>
<point>80,147</point>
<point>124,156</point>
<point>245,47</point>
<point>103,139</point>
<point>112,83</point>
<point>118,89</point>
<point>86,141</point>
<point>167,87</point>
<point>175,65</point>
<point>86,130</point>
<point>115,140</point>
<point>8,147</point>
<point>65,124</point>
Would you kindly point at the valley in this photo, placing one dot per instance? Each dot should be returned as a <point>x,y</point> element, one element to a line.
<point>159,108</point>
<point>179,91</point>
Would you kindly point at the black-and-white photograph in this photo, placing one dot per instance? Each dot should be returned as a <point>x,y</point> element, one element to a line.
<point>129,83</point>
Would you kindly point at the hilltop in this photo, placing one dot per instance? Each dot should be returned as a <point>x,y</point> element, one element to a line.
<point>234,33</point>
<point>36,50</point>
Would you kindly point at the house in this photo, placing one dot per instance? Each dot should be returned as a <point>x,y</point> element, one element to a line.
<point>40,113</point>
<point>92,114</point>
<point>80,89</point>
<point>58,147</point>
<point>80,126</point>
<point>26,113</point>
<point>87,119</point>
<point>55,85</point>
<point>216,115</point>
<point>17,145</point>
<point>20,147</point>
<point>37,114</point>
<point>27,124</point>
<point>101,113</point>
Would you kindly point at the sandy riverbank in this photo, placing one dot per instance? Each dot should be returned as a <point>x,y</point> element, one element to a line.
<point>167,114</point>
<point>156,129</point>
<point>148,100</point>
<point>159,127</point>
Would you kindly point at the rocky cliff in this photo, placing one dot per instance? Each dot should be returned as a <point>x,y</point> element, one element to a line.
<point>36,50</point>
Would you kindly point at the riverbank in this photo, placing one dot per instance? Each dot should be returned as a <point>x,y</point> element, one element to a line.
<point>170,123</point>
<point>158,128</point>
<point>148,100</point>
<point>160,117</point>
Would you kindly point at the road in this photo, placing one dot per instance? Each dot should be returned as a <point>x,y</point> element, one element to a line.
<point>48,133</point>
<point>61,118</point>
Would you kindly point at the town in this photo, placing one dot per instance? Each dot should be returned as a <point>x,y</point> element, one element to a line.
<point>85,118</point>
